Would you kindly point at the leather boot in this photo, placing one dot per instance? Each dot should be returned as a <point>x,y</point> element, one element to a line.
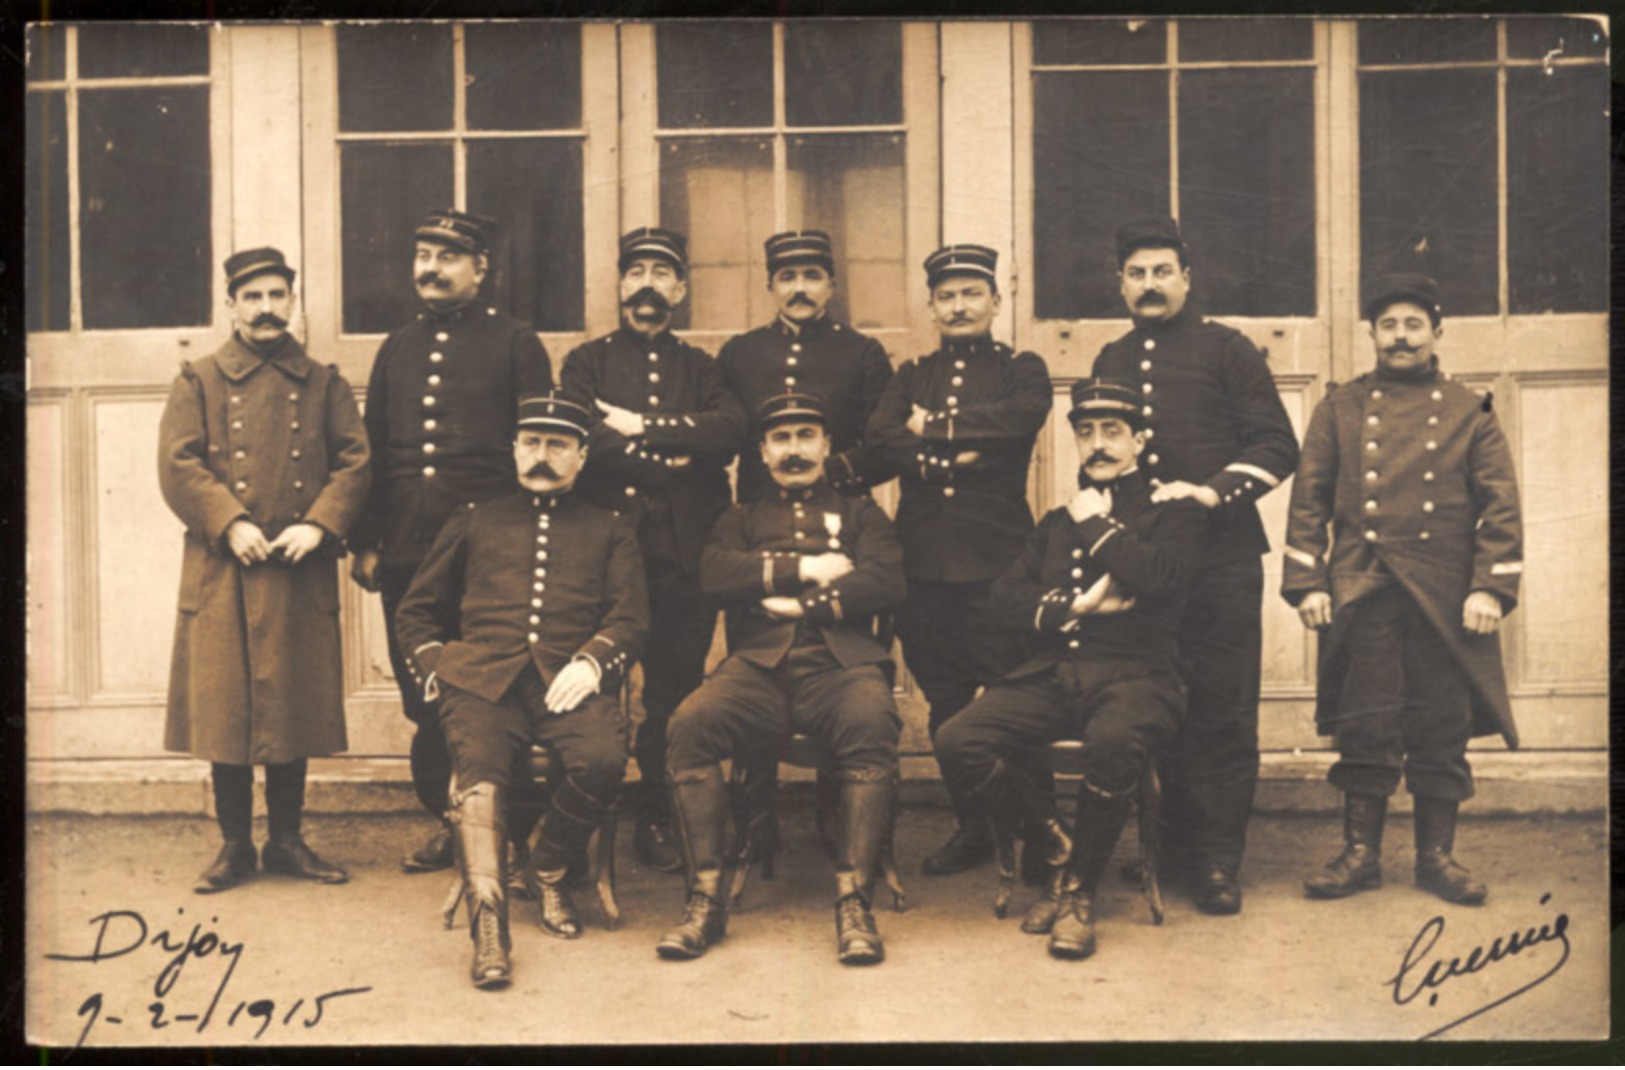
<point>1359,867</point>
<point>477,817</point>
<point>572,815</point>
<point>234,865</point>
<point>1101,818</point>
<point>702,808</point>
<point>288,854</point>
<point>1041,915</point>
<point>652,837</point>
<point>867,808</point>
<point>971,844</point>
<point>1224,811</point>
<point>436,853</point>
<point>1436,871</point>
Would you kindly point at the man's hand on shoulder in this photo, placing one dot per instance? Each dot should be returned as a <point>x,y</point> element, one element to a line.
<point>1178,488</point>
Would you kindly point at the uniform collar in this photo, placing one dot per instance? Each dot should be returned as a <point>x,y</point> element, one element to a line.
<point>238,360</point>
<point>1427,374</point>
<point>802,494</point>
<point>545,503</point>
<point>968,347</point>
<point>1152,328</point>
<point>441,317</point>
<point>811,329</point>
<point>662,341</point>
<point>1127,480</point>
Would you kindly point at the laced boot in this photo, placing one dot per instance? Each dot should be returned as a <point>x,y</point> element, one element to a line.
<point>1436,871</point>
<point>702,808</point>
<point>572,815</point>
<point>1359,867</point>
<point>866,811</point>
<point>1101,818</point>
<point>476,818</point>
<point>1041,915</point>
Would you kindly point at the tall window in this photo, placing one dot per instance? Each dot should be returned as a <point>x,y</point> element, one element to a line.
<point>771,126</point>
<point>482,116</point>
<point>1208,120</point>
<point>1483,160</point>
<point>118,177</point>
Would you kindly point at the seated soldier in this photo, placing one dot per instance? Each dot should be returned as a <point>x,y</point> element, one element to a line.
<point>549,591</point>
<point>1102,580</point>
<point>802,570</point>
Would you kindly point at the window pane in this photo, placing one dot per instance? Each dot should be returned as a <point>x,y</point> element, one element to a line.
<point>47,53</point>
<point>1406,40</point>
<point>534,189</point>
<point>1097,41</point>
<point>144,207</point>
<point>852,186</point>
<point>130,50</point>
<point>1427,182</point>
<point>843,73</point>
<point>1201,40</point>
<point>395,77</point>
<point>1100,158</point>
<point>385,190</point>
<point>1247,189</point>
<point>1535,38</point>
<point>719,192</point>
<point>715,74</point>
<point>523,75</point>
<point>50,245</point>
<point>1557,189</point>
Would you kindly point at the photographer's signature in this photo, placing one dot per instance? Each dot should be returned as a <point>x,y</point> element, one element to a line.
<point>1420,971</point>
<point>126,932</point>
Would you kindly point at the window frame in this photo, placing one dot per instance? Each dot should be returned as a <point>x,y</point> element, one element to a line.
<point>79,356</point>
<point>642,137</point>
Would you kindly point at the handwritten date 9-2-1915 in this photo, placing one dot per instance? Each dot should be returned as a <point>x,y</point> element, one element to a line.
<point>124,932</point>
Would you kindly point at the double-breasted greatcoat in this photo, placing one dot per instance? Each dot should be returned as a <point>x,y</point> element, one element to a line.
<point>277,439</point>
<point>1408,482</point>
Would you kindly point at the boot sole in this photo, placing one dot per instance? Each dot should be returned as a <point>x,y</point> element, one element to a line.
<point>413,865</point>
<point>492,982</point>
<point>1314,892</point>
<point>1474,900</point>
<point>862,957</point>
<point>680,952</point>
<point>1072,953</point>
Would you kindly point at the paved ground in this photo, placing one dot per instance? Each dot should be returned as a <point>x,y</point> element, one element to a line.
<point>1287,968</point>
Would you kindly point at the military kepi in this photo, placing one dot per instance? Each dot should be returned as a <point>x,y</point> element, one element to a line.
<point>459,230</point>
<point>1154,232</point>
<point>1418,289</point>
<point>668,245</point>
<point>240,267</point>
<point>1098,398</point>
<point>783,408</point>
<point>551,412</point>
<point>796,247</point>
<point>977,260</point>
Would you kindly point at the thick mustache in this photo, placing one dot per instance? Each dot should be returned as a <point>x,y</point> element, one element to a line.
<point>268,319</point>
<point>1152,298</point>
<point>1101,456</point>
<point>803,299</point>
<point>792,465</point>
<point>541,469</point>
<point>432,278</point>
<point>1401,347</point>
<point>648,296</point>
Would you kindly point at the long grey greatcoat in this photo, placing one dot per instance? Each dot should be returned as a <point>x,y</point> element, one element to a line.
<point>256,675</point>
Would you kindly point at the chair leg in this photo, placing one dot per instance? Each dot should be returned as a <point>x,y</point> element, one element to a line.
<point>606,869</point>
<point>1150,822</point>
<point>1004,849</point>
<point>888,870</point>
<point>454,899</point>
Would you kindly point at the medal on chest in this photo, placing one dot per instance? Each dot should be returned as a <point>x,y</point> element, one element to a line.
<point>832,524</point>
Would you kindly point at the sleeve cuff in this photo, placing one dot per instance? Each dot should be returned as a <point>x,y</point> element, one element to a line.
<point>1096,531</point>
<point>1054,610</point>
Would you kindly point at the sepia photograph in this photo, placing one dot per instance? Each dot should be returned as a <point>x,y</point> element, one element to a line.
<point>816,531</point>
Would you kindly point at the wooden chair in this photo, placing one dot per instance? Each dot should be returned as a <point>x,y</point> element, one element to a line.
<point>537,770</point>
<point>1064,759</point>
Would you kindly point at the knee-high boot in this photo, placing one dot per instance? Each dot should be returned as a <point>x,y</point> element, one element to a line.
<point>1101,818</point>
<point>867,809</point>
<point>701,802</point>
<point>482,851</point>
<point>572,815</point>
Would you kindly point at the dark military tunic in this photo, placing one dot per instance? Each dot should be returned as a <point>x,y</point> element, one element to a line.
<point>1408,483</point>
<point>1213,416</point>
<point>849,370</point>
<point>820,672</point>
<point>256,676</point>
<point>441,405</point>
<point>1109,679</point>
<point>963,522</point>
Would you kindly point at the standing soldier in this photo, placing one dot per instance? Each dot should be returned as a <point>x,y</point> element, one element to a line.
<point>805,570</point>
<point>807,351</point>
<point>547,606</point>
<point>440,404</point>
<point>666,430</point>
<point>1216,432</point>
<point>1414,478</point>
<point>959,426</point>
<point>262,455</point>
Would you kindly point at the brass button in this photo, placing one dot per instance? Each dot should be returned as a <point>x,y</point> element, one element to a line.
<point>434,380</point>
<point>947,492</point>
<point>428,471</point>
<point>436,358</point>
<point>430,425</point>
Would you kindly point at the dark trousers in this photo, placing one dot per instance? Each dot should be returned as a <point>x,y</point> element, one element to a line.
<point>1126,712</point>
<point>950,648</point>
<point>486,739</point>
<point>745,709</point>
<point>1209,778</point>
<point>681,626</point>
<point>430,763</point>
<point>1405,705</point>
<point>234,799</point>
